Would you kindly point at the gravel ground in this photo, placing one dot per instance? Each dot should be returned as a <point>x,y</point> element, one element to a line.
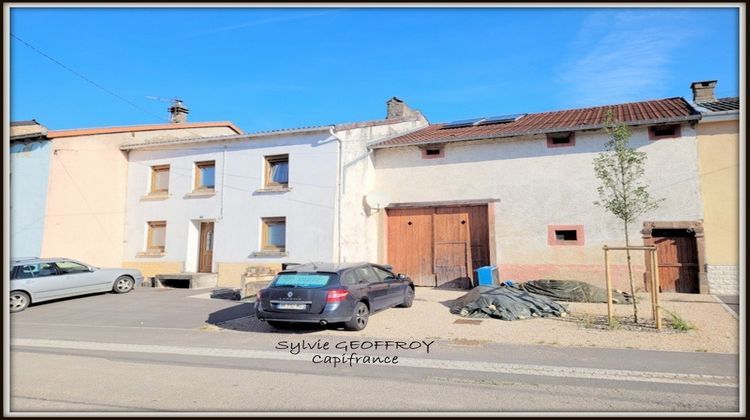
<point>715,330</point>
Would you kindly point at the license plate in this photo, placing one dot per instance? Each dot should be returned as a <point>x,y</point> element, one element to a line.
<point>291,306</point>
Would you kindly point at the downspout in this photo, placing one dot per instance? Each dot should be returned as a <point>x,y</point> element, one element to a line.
<point>339,172</point>
<point>223,171</point>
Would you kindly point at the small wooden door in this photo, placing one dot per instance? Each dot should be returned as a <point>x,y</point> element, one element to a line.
<point>678,260</point>
<point>206,247</point>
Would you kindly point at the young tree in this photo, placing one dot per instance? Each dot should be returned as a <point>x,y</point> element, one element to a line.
<point>621,191</point>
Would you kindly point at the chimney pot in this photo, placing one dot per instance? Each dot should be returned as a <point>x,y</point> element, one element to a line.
<point>178,112</point>
<point>703,91</point>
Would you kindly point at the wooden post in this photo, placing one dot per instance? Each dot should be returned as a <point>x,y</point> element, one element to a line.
<point>652,283</point>
<point>609,285</point>
<point>657,310</point>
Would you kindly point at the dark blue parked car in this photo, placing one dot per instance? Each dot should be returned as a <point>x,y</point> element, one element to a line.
<point>327,293</point>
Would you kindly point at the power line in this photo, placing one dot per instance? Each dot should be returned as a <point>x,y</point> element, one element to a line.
<point>86,78</point>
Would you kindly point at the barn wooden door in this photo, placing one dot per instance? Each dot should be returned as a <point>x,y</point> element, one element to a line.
<point>438,246</point>
<point>410,244</point>
<point>206,247</point>
<point>678,260</point>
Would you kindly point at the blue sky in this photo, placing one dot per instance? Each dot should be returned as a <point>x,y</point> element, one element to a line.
<point>279,68</point>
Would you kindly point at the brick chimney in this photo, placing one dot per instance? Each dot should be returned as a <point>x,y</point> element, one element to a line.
<point>703,91</point>
<point>178,111</point>
<point>397,109</point>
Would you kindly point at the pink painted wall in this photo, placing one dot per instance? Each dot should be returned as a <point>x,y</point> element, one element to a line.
<point>85,212</point>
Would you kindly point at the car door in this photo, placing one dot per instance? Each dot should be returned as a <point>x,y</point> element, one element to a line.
<point>377,289</point>
<point>396,291</point>
<point>42,281</point>
<point>79,277</point>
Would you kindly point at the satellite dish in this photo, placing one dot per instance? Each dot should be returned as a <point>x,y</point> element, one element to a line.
<point>377,200</point>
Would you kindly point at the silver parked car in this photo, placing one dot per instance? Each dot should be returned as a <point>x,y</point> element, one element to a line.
<point>35,280</point>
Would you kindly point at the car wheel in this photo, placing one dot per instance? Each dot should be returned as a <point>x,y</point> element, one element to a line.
<point>123,284</point>
<point>19,301</point>
<point>279,324</point>
<point>408,299</point>
<point>359,319</point>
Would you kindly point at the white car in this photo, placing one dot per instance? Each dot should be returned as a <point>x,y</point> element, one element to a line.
<point>35,280</point>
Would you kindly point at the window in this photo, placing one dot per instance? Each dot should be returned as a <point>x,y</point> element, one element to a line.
<point>664,132</point>
<point>36,270</point>
<point>159,179</point>
<point>277,171</point>
<point>362,275</point>
<point>157,236</point>
<point>204,175</point>
<point>561,139</point>
<point>274,234</point>
<point>70,267</point>
<point>383,275</point>
<point>433,152</point>
<point>565,235</point>
<point>304,280</point>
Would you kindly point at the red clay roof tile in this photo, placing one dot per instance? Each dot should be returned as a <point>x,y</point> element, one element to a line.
<point>646,112</point>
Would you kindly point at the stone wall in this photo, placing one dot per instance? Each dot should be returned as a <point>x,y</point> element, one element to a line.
<point>723,279</point>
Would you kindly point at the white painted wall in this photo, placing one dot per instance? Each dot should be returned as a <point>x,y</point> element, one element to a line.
<point>359,224</point>
<point>237,207</point>
<point>538,186</point>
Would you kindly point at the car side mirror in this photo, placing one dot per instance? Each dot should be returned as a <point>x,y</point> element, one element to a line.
<point>401,276</point>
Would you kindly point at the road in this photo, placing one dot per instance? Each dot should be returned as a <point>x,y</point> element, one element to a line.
<point>153,351</point>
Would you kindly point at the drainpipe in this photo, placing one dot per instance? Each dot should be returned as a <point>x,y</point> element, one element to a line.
<point>339,172</point>
<point>223,171</point>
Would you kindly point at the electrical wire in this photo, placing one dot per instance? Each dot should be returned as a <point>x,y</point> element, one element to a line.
<point>97,85</point>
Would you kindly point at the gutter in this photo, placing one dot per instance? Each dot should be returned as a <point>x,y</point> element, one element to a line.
<point>721,116</point>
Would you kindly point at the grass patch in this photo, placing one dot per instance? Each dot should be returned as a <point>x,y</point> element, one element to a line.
<point>677,322</point>
<point>614,324</point>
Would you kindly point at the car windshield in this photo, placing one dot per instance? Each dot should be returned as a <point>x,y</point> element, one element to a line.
<point>306,280</point>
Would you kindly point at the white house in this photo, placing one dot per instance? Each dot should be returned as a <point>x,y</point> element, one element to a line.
<point>518,192</point>
<point>229,203</point>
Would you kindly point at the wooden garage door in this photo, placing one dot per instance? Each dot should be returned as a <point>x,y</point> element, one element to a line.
<point>410,244</point>
<point>439,246</point>
<point>678,260</point>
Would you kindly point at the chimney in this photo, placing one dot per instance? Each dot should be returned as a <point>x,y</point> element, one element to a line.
<point>397,109</point>
<point>703,91</point>
<point>178,111</point>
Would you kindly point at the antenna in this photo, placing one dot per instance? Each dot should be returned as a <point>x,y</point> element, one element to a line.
<point>176,109</point>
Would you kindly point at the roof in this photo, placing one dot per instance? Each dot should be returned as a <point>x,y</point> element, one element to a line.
<point>20,123</point>
<point>322,267</point>
<point>27,130</point>
<point>634,113</point>
<point>151,127</point>
<point>35,260</point>
<point>237,137</point>
<point>723,104</point>
<point>267,133</point>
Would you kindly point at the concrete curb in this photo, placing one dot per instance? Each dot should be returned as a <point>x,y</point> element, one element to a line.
<point>725,306</point>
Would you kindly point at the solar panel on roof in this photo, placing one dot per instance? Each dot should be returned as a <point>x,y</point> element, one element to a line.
<point>463,123</point>
<point>501,119</point>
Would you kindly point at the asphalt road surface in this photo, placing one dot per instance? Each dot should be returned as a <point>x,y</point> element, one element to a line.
<point>160,350</point>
